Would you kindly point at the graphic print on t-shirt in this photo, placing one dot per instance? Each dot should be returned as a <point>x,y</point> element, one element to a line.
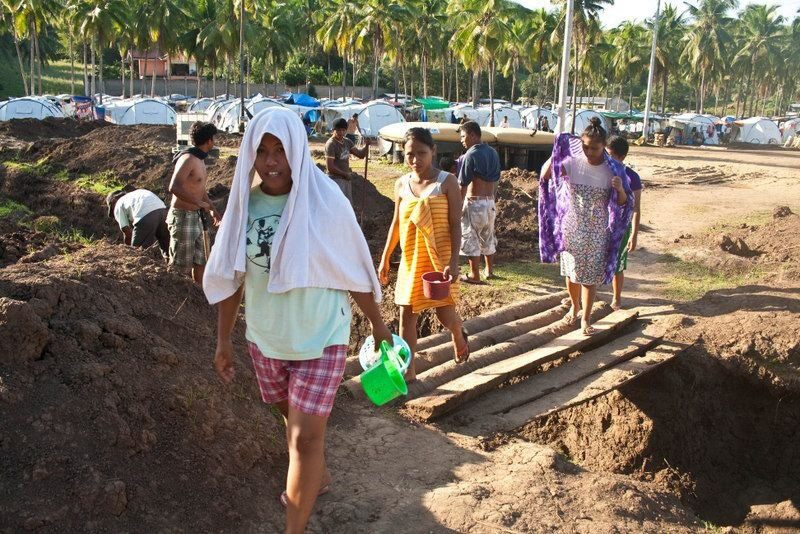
<point>259,240</point>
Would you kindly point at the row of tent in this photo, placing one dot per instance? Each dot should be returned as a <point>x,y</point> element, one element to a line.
<point>225,113</point>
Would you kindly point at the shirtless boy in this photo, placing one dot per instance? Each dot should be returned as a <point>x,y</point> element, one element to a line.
<point>478,175</point>
<point>189,196</point>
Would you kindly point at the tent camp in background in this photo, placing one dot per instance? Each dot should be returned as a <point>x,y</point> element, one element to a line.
<point>33,107</point>
<point>532,118</point>
<point>692,123</point>
<point>200,104</point>
<point>756,131</point>
<point>582,119</point>
<point>228,115</point>
<point>139,111</point>
<point>372,116</point>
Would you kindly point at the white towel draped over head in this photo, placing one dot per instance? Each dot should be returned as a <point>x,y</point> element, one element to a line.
<point>318,242</point>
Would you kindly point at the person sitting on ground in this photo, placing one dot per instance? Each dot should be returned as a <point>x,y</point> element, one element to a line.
<point>448,164</point>
<point>426,224</point>
<point>478,175</point>
<point>618,150</point>
<point>141,216</point>
<point>588,193</point>
<point>297,307</point>
<point>353,128</point>
<point>189,197</point>
<point>337,157</point>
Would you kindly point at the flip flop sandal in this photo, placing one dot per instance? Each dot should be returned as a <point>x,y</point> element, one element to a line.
<point>463,355</point>
<point>468,280</point>
<point>570,319</point>
<point>322,491</point>
<point>588,330</point>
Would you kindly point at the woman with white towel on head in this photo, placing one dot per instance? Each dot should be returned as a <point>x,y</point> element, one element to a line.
<point>292,247</point>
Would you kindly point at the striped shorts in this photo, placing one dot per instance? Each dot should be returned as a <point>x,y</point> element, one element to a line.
<point>309,385</point>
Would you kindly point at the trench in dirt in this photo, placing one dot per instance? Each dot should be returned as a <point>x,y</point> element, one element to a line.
<point>696,427</point>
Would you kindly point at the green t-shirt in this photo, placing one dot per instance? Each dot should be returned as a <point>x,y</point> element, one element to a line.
<point>298,324</point>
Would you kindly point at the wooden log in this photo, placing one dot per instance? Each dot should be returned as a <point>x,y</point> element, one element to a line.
<point>597,384</point>
<point>506,314</point>
<point>456,392</point>
<point>491,413</point>
<point>450,370</point>
<point>440,354</point>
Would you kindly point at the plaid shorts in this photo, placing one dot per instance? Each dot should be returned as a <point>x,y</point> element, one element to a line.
<point>185,238</point>
<point>309,385</point>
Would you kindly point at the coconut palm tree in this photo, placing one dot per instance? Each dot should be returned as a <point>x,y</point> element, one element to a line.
<point>377,19</point>
<point>707,38</point>
<point>671,29</point>
<point>482,28</point>
<point>337,31</point>
<point>761,38</point>
<point>101,19</point>
<point>8,8</point>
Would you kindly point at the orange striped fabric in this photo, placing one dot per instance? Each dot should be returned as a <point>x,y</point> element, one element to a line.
<point>425,241</point>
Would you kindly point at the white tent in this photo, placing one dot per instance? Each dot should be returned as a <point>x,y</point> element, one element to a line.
<point>757,131</point>
<point>28,108</point>
<point>372,116</point>
<point>200,104</point>
<point>790,128</point>
<point>140,111</point>
<point>227,116</point>
<point>582,119</point>
<point>514,117</point>
<point>376,115</point>
<point>702,123</point>
<point>532,117</point>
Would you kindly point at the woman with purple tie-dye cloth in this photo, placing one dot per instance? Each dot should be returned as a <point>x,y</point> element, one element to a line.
<point>585,204</point>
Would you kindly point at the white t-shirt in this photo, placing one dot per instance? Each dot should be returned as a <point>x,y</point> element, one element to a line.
<point>132,207</point>
<point>581,172</point>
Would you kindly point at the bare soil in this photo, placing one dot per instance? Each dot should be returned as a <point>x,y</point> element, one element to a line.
<point>117,422</point>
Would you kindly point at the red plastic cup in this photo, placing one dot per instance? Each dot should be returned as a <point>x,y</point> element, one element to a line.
<point>435,285</point>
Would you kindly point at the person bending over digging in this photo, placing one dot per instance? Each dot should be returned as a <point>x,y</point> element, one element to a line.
<point>296,298</point>
<point>478,175</point>
<point>427,225</point>
<point>141,216</point>
<point>585,204</point>
<point>189,196</point>
<point>618,149</point>
<point>337,157</point>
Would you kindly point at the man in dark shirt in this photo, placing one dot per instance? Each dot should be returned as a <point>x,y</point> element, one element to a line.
<point>478,175</point>
<point>337,157</point>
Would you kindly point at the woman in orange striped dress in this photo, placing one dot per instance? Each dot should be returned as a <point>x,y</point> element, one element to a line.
<point>427,226</point>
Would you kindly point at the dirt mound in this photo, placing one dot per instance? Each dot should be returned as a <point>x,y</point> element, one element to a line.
<point>517,224</point>
<point>719,426</point>
<point>107,380</point>
<point>50,127</point>
<point>773,247</point>
<point>26,245</point>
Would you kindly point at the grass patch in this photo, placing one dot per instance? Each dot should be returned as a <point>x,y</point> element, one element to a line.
<point>9,207</point>
<point>38,168</point>
<point>55,78</point>
<point>52,225</point>
<point>756,218</point>
<point>514,274</point>
<point>691,280</point>
<point>102,182</point>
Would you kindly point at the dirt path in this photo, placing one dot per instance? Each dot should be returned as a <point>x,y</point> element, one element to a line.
<point>753,184</point>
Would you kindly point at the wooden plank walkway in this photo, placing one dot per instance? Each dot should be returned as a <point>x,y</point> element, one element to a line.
<point>456,392</point>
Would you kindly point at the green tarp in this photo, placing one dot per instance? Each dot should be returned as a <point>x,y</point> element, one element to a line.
<point>433,103</point>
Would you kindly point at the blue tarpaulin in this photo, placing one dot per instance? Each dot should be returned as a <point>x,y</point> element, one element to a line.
<point>302,99</point>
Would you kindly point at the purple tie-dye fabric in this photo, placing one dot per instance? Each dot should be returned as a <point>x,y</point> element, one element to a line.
<point>555,202</point>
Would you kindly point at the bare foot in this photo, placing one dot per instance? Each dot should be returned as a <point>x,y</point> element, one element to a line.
<point>461,354</point>
<point>411,373</point>
<point>615,305</point>
<point>571,317</point>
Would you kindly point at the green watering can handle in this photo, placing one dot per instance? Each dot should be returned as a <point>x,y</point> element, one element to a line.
<point>388,352</point>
